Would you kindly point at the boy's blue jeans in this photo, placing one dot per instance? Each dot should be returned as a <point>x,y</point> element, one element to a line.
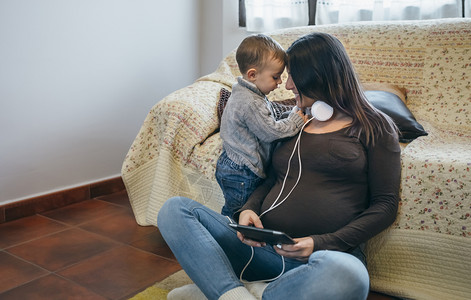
<point>212,255</point>
<point>237,183</point>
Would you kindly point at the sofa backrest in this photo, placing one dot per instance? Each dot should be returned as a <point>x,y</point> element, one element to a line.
<point>430,59</point>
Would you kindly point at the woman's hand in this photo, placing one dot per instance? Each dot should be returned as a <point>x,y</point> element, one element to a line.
<point>300,251</point>
<point>249,217</point>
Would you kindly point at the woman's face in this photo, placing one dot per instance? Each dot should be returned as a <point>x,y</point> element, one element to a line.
<point>301,103</point>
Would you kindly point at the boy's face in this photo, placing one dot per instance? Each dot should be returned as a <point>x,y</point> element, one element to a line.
<point>268,78</point>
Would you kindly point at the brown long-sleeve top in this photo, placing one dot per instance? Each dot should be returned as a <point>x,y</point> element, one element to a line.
<point>347,192</point>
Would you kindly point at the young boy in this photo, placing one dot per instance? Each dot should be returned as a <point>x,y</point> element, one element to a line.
<point>248,126</point>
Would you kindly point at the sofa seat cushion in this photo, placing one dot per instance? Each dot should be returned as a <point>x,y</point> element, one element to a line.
<point>436,183</point>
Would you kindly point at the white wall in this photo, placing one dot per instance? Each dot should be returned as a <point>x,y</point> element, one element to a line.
<point>210,42</point>
<point>232,34</point>
<point>77,78</point>
<point>220,32</point>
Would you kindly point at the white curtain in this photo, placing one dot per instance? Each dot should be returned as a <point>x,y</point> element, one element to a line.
<point>467,8</point>
<point>268,15</point>
<point>341,11</point>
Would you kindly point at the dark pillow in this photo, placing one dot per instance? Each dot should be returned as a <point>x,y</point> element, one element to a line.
<point>223,97</point>
<point>393,106</point>
<point>283,108</point>
<point>386,102</point>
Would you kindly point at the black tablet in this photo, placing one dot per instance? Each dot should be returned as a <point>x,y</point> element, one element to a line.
<point>271,237</point>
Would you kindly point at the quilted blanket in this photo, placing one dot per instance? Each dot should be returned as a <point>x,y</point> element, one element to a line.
<point>425,253</point>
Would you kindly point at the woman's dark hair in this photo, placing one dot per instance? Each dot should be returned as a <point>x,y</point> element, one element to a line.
<point>321,69</point>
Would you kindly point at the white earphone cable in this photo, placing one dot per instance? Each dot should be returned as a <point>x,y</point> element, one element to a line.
<point>297,145</point>
<point>264,280</point>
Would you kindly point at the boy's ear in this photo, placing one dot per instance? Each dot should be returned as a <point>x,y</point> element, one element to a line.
<point>251,74</point>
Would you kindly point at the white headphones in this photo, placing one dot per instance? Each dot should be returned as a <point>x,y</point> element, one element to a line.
<point>319,110</point>
<point>322,111</point>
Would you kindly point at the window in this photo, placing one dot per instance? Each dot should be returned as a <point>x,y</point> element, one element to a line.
<point>265,15</point>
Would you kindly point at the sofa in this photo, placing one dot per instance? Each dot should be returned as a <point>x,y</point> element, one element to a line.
<point>425,253</point>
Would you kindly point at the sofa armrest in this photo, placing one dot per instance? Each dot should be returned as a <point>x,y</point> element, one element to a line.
<point>177,123</point>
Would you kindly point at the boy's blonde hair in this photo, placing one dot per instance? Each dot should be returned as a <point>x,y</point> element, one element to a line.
<point>255,50</point>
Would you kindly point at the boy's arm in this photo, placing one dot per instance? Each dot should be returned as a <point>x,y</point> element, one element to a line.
<point>260,121</point>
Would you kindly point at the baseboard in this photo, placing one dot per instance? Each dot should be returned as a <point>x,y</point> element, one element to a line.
<point>31,206</point>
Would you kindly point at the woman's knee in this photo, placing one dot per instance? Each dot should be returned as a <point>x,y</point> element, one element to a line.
<point>170,210</point>
<point>349,273</point>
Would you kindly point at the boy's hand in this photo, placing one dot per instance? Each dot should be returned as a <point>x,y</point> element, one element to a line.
<point>302,115</point>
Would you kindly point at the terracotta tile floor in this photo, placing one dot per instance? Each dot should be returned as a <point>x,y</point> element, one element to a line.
<point>89,250</point>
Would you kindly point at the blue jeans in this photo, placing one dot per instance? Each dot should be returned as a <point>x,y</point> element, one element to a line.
<point>237,183</point>
<point>213,257</point>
